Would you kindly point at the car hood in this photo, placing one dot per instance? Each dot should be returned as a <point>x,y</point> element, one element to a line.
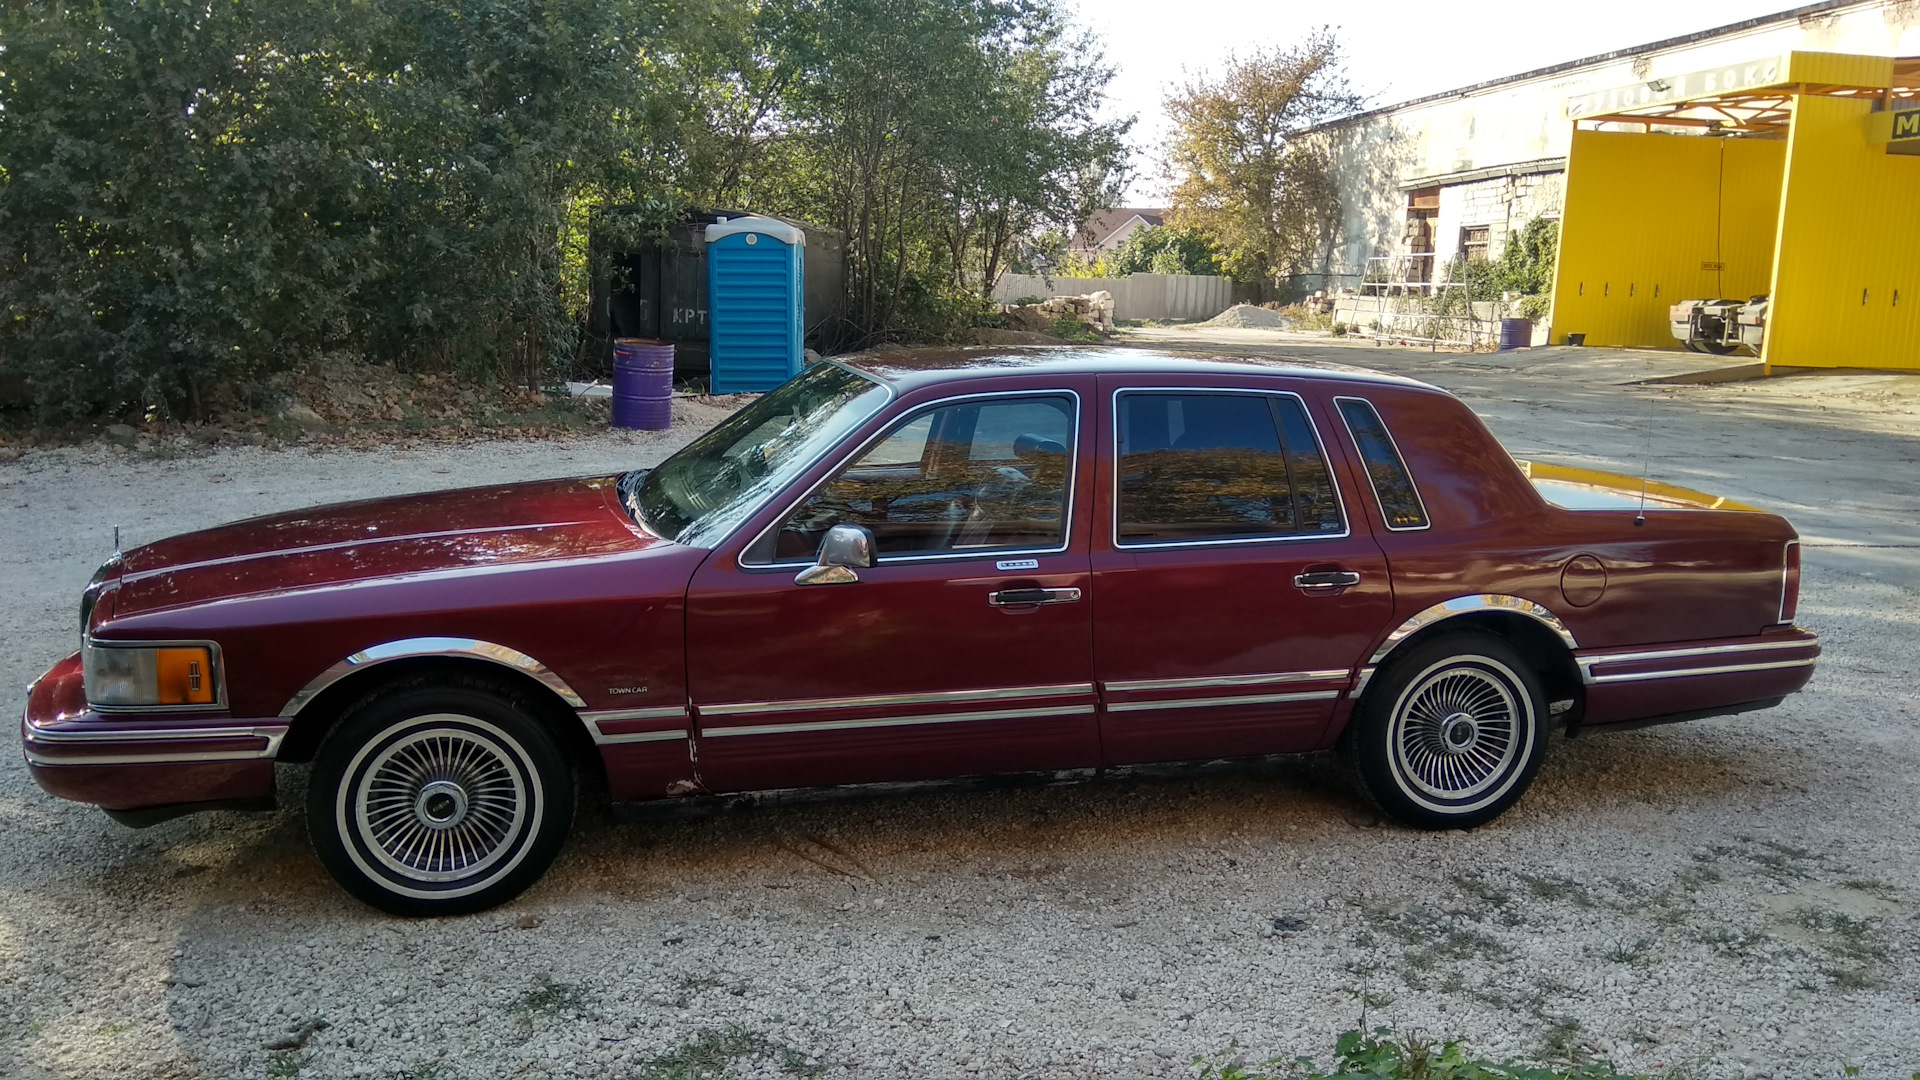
<point>378,538</point>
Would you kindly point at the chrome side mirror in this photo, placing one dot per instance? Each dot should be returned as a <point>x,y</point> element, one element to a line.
<point>841,550</point>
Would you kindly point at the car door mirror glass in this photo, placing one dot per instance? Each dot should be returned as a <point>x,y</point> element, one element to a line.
<point>841,550</point>
<point>847,545</point>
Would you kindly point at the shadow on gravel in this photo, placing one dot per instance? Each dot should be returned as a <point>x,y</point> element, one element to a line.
<point>640,917</point>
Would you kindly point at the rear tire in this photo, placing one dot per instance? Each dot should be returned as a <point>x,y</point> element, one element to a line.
<point>1450,734</point>
<point>440,798</point>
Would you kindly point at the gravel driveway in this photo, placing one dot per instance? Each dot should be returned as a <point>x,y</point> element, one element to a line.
<point>1737,895</point>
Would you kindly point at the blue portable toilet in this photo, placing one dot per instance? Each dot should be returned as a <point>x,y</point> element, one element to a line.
<point>755,278</point>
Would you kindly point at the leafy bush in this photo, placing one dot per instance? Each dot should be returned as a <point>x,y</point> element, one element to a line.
<point>1161,249</point>
<point>195,196</point>
<point>1524,272</point>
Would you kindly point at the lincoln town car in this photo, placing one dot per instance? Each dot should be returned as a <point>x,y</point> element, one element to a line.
<point>920,566</point>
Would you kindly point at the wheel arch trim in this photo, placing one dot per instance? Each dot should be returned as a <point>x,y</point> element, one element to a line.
<point>1474,604</point>
<point>459,648</point>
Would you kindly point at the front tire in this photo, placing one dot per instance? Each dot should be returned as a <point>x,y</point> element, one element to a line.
<point>439,798</point>
<point>1451,734</point>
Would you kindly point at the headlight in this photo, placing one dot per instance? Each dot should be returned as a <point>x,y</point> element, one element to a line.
<point>123,675</point>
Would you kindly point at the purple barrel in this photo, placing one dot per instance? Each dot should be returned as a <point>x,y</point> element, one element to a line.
<point>1515,334</point>
<point>642,384</point>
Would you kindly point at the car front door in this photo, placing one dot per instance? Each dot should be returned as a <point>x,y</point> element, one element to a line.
<point>966,647</point>
<point>1236,591</point>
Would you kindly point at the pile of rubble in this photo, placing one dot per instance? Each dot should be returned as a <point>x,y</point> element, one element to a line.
<point>1250,317</point>
<point>1093,311</point>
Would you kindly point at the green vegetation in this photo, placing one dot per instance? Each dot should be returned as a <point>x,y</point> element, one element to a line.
<point>1155,249</point>
<point>713,1053</point>
<point>1523,273</point>
<point>1381,1055</point>
<point>196,196</point>
<point>1244,175</point>
<point>549,998</point>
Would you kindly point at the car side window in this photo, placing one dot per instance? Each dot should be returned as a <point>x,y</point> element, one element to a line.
<point>1219,466</point>
<point>1387,471</point>
<point>985,475</point>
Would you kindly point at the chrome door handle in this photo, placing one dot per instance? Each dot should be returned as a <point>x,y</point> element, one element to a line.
<point>1032,597</point>
<point>1320,580</point>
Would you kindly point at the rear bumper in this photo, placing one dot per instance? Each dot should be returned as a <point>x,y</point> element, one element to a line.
<point>1703,678</point>
<point>130,761</point>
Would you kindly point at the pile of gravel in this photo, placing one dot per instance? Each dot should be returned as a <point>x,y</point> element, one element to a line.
<point>1249,317</point>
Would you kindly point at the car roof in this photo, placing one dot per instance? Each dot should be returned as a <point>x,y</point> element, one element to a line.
<point>910,369</point>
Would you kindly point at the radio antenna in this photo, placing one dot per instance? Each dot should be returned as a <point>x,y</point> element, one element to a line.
<point>1646,467</point>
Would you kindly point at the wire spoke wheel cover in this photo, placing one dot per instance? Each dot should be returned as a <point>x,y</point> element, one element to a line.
<point>436,801</point>
<point>443,802</point>
<point>1457,731</point>
<point>1451,735</point>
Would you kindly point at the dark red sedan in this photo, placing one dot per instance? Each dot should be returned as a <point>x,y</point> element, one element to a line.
<point>915,567</point>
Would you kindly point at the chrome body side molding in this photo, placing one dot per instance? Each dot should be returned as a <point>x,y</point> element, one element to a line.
<point>1461,605</point>
<point>410,648</point>
<point>1207,681</point>
<point>602,737</point>
<point>1241,699</point>
<point>881,701</point>
<point>1723,659</point>
<point>896,721</point>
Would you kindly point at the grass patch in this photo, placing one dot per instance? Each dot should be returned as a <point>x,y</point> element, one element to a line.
<point>1556,888</point>
<point>546,999</point>
<point>286,1064</point>
<point>713,1053</point>
<point>1382,1055</point>
<point>1629,952</point>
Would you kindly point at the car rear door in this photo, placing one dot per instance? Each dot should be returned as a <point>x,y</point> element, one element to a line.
<point>966,649</point>
<point>1235,589</point>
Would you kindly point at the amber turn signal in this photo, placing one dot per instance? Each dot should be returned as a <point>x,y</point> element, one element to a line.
<point>185,676</point>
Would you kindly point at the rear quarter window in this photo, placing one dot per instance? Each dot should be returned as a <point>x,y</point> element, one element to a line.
<point>1387,473</point>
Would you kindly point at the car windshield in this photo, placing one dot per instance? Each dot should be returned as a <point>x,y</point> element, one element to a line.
<point>701,493</point>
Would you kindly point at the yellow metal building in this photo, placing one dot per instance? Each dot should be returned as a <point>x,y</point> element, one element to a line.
<point>1795,176</point>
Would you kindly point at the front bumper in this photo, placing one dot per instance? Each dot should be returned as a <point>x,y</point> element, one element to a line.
<point>131,761</point>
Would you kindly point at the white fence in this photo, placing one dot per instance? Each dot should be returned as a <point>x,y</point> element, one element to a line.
<point>1137,296</point>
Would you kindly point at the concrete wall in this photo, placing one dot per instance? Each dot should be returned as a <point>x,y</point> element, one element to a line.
<point>1137,296</point>
<point>1517,130</point>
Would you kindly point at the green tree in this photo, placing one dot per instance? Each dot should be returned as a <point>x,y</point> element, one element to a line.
<point>192,195</point>
<point>1245,174</point>
<point>936,134</point>
<point>1161,249</point>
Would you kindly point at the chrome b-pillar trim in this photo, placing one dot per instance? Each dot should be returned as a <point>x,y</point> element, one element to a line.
<point>1462,605</point>
<point>409,648</point>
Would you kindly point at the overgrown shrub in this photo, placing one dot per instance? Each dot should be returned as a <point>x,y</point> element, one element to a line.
<point>192,195</point>
<point>196,195</point>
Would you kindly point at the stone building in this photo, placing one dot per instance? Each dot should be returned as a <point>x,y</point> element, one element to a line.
<point>1452,175</point>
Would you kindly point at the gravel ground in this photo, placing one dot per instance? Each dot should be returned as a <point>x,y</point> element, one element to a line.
<point>1735,896</point>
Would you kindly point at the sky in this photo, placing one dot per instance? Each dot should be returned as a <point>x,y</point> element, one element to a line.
<point>1396,49</point>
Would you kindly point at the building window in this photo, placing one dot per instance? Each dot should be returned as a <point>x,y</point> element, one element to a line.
<point>1473,242</point>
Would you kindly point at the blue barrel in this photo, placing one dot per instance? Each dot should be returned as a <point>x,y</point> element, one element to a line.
<point>642,384</point>
<point>1515,334</point>
<point>756,276</point>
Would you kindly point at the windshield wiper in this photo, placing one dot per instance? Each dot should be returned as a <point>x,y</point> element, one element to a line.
<point>629,487</point>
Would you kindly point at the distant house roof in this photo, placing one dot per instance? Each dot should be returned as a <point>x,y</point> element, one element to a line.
<point>1106,229</point>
